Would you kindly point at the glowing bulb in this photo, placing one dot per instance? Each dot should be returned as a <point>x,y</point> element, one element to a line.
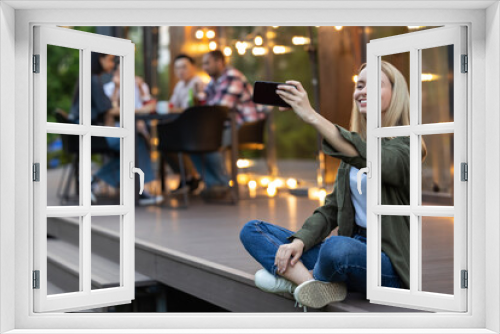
<point>271,191</point>
<point>242,178</point>
<point>291,183</point>
<point>355,78</point>
<point>338,28</point>
<point>258,51</point>
<point>243,163</point>
<point>227,51</point>
<point>278,183</point>
<point>210,34</point>
<point>230,183</point>
<point>252,184</point>
<point>280,49</point>
<point>212,45</point>
<point>264,181</point>
<point>199,34</point>
<point>300,40</point>
<point>429,77</point>
<point>276,27</point>
<point>258,40</point>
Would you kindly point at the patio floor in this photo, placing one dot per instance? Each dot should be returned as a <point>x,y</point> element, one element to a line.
<point>197,250</point>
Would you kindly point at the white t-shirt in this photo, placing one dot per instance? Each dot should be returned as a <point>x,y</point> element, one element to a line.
<point>179,98</point>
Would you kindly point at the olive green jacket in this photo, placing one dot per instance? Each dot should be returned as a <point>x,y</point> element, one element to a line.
<point>338,209</point>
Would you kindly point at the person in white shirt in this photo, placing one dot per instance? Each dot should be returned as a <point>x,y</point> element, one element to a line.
<point>188,90</point>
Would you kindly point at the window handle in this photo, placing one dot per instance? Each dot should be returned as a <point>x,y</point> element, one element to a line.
<point>133,170</point>
<point>361,171</point>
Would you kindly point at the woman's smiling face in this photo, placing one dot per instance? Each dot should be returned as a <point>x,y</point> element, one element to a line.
<point>360,92</point>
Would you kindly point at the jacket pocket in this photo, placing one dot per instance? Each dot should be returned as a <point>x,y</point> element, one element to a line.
<point>342,178</point>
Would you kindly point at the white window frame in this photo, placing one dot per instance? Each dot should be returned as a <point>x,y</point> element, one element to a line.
<point>414,43</point>
<point>85,297</point>
<point>483,20</point>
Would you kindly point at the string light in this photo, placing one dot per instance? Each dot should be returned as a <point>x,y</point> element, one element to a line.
<point>258,40</point>
<point>300,40</point>
<point>281,49</point>
<point>338,28</point>
<point>212,45</point>
<point>210,34</point>
<point>199,34</point>
<point>252,184</point>
<point>429,77</point>
<point>291,183</point>
<point>355,78</point>
<point>227,51</point>
<point>258,51</point>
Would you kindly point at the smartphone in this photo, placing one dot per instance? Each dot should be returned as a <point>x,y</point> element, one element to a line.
<point>264,92</point>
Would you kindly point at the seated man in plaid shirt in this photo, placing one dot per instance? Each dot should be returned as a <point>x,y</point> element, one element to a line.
<point>228,87</point>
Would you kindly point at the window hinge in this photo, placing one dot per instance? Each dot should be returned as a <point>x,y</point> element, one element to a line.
<point>36,279</point>
<point>36,172</point>
<point>36,63</point>
<point>464,168</point>
<point>465,64</point>
<point>465,279</point>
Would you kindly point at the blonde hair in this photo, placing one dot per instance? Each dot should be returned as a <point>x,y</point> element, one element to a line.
<point>398,113</point>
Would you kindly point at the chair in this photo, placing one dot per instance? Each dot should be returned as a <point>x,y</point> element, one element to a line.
<point>196,130</point>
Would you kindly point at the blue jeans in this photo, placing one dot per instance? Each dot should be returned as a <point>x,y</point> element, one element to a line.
<point>110,172</point>
<point>213,171</point>
<point>337,259</point>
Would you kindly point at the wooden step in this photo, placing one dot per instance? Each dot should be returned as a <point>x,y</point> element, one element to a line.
<point>63,268</point>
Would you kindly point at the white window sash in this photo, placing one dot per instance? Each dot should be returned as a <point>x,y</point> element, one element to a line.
<point>415,298</point>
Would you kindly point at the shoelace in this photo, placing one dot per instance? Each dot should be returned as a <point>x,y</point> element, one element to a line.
<point>297,304</point>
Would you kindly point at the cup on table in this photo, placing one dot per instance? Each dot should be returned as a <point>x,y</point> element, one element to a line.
<point>162,107</point>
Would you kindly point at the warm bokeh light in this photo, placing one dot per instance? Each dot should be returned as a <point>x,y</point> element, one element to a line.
<point>291,183</point>
<point>258,51</point>
<point>264,182</point>
<point>271,191</point>
<point>276,27</point>
<point>210,34</point>
<point>338,28</point>
<point>241,47</point>
<point>281,49</point>
<point>199,34</point>
<point>300,40</point>
<point>230,183</point>
<point>242,178</point>
<point>243,163</point>
<point>414,27</point>
<point>228,51</point>
<point>212,45</point>
<point>252,184</point>
<point>429,77</point>
<point>355,78</point>
<point>258,40</point>
<point>278,183</point>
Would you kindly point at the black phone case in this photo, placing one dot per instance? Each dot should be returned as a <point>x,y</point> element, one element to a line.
<point>264,92</point>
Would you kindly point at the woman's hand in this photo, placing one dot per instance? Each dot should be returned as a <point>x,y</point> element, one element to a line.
<point>288,253</point>
<point>297,98</point>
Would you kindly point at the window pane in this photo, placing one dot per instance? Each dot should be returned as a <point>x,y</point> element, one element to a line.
<point>437,85</point>
<point>395,170</point>
<point>63,172</point>
<point>105,186</point>
<point>400,61</point>
<point>63,70</point>
<point>395,258</point>
<point>105,258</point>
<point>63,255</point>
<point>437,254</point>
<point>438,170</point>
<point>105,89</point>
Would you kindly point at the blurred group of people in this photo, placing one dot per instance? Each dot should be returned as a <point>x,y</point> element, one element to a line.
<point>227,87</point>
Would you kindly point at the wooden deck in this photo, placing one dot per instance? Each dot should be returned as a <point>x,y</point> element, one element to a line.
<point>197,250</point>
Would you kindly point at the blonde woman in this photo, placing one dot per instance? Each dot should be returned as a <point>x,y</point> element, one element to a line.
<point>319,269</point>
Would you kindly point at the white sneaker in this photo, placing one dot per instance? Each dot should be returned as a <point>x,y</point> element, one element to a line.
<point>317,294</point>
<point>267,282</point>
